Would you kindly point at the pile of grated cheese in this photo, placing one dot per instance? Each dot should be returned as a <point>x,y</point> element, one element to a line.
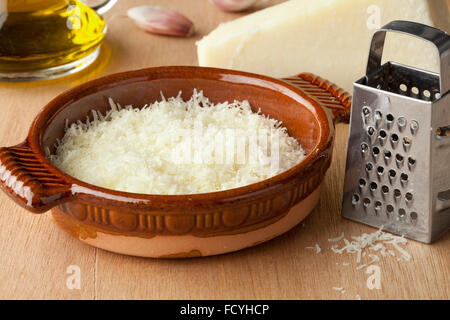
<point>375,243</point>
<point>132,149</point>
<point>367,247</point>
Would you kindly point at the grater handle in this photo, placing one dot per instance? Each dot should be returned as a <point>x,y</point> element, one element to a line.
<point>326,93</point>
<point>439,38</point>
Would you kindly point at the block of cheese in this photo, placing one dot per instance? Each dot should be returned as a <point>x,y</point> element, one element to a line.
<point>328,37</point>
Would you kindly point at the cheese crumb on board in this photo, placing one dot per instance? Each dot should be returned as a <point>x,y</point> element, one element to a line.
<point>374,258</point>
<point>340,289</point>
<point>328,37</point>
<point>337,239</point>
<point>362,266</point>
<point>316,248</point>
<point>139,150</point>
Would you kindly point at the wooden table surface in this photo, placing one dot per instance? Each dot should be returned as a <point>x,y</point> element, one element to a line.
<point>35,254</point>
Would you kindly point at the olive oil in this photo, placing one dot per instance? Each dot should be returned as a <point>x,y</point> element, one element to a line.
<point>41,34</point>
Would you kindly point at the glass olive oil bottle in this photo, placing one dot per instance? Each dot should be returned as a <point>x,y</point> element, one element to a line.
<point>42,34</point>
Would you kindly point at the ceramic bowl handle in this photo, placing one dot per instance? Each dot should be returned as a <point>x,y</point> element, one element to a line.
<point>28,181</point>
<point>326,93</point>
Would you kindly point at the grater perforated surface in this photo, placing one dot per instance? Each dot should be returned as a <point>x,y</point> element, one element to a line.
<point>392,149</point>
<point>385,181</point>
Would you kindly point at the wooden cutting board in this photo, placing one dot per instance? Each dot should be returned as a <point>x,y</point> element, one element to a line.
<point>35,255</point>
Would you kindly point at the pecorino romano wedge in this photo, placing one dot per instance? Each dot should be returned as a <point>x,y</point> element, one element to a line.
<point>326,37</point>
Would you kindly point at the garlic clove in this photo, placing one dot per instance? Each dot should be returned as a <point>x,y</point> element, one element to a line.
<point>233,5</point>
<point>161,21</point>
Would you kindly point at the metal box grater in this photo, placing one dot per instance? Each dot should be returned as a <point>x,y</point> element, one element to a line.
<point>398,159</point>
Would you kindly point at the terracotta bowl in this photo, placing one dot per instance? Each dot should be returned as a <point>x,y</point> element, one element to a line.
<point>179,225</point>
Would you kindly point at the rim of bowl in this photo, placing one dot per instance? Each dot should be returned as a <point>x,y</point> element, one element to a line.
<point>228,195</point>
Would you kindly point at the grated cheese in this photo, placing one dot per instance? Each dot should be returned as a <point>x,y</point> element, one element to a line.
<point>374,258</point>
<point>337,239</point>
<point>165,147</point>
<point>374,242</point>
<point>316,248</point>
<point>340,289</point>
<point>361,266</point>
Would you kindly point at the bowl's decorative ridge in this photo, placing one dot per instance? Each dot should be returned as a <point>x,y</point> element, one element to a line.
<point>236,218</point>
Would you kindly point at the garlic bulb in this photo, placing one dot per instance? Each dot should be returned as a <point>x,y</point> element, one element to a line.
<point>161,21</point>
<point>233,5</point>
